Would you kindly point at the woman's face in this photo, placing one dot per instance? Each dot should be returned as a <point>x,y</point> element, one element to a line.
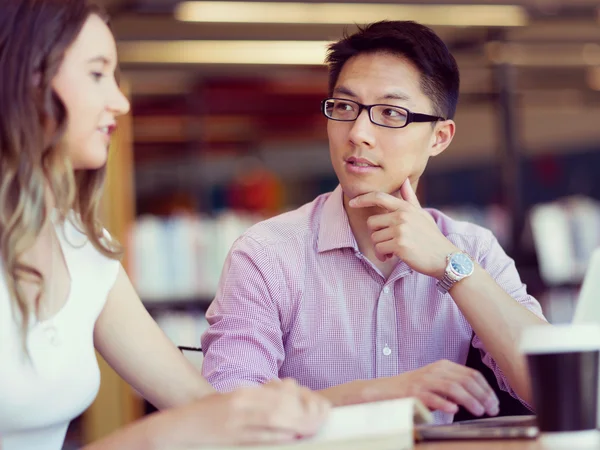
<point>86,84</point>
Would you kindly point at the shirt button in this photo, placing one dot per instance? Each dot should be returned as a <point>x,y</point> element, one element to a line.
<point>386,290</point>
<point>387,351</point>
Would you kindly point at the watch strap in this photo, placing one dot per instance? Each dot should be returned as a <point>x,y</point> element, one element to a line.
<point>445,284</point>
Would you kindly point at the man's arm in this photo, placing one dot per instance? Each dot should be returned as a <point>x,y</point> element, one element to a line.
<point>410,233</point>
<point>496,305</point>
<point>244,343</point>
<point>441,386</point>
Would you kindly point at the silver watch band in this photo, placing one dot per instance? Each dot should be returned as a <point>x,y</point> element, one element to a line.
<point>445,284</point>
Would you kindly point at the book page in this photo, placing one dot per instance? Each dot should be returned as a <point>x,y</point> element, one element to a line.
<point>385,425</point>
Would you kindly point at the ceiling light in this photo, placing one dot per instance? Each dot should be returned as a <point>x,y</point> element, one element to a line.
<point>543,54</point>
<point>223,52</point>
<point>350,13</point>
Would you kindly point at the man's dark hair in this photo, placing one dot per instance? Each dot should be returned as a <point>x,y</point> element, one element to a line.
<point>417,43</point>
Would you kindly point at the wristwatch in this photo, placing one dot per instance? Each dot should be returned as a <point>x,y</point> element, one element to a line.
<point>459,266</point>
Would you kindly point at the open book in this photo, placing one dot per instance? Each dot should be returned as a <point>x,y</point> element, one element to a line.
<point>385,425</point>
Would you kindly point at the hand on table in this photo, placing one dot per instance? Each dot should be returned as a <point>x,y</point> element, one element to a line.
<point>275,413</point>
<point>444,386</point>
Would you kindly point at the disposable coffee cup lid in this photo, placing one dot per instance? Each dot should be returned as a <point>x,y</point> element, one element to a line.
<point>562,338</point>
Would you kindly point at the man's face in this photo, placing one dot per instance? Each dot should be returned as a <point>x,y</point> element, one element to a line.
<point>367,157</point>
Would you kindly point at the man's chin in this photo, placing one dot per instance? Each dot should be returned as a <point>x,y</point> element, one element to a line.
<point>352,190</point>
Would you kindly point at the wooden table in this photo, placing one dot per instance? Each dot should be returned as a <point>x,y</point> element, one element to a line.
<point>512,444</point>
<point>397,443</point>
<point>404,442</point>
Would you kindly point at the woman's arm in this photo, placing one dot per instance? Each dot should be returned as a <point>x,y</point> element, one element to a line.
<point>133,344</point>
<point>275,413</point>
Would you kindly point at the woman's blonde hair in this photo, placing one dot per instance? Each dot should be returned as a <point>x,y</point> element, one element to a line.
<point>34,36</point>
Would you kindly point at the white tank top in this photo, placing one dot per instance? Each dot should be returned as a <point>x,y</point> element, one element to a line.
<point>38,398</point>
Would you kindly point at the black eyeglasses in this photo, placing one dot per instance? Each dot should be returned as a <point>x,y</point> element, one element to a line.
<point>388,116</point>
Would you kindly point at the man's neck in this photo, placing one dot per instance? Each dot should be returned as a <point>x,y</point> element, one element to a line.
<point>357,217</point>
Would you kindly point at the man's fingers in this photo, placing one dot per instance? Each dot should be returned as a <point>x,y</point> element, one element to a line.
<point>383,235</point>
<point>466,374</point>
<point>475,376</point>
<point>384,244</point>
<point>385,249</point>
<point>379,199</point>
<point>488,401</point>
<point>407,192</point>
<point>437,403</point>
<point>381,221</point>
<point>484,394</point>
<point>455,392</point>
<point>477,385</point>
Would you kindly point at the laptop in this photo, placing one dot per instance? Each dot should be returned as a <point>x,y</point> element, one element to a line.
<point>506,427</point>
<point>521,427</point>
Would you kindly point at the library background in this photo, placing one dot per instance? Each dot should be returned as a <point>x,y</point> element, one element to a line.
<point>226,130</point>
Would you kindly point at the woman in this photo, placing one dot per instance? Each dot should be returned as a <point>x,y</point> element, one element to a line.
<point>62,290</point>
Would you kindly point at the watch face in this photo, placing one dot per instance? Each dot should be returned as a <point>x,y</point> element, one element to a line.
<point>461,264</point>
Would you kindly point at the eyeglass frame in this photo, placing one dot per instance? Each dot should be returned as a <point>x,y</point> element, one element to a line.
<point>411,117</point>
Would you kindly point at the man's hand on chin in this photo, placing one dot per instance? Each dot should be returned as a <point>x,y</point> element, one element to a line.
<point>406,230</point>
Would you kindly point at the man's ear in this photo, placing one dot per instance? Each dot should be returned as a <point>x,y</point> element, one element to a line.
<point>442,136</point>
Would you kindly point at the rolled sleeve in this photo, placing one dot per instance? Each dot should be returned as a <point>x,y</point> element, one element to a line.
<point>244,345</point>
<point>502,268</point>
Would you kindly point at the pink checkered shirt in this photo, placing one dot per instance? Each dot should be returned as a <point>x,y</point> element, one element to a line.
<point>298,299</point>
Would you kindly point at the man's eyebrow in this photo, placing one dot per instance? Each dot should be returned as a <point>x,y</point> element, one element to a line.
<point>396,96</point>
<point>344,91</point>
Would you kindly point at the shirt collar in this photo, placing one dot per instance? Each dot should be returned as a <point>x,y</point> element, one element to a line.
<point>334,229</point>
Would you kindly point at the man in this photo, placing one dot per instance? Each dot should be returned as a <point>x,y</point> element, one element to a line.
<point>363,294</point>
